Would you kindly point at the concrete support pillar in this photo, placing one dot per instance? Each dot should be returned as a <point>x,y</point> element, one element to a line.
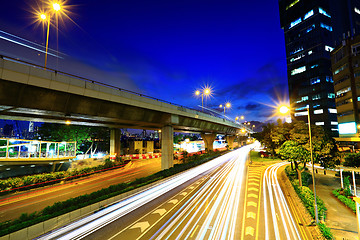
<point>115,142</point>
<point>230,141</point>
<point>208,140</point>
<point>149,146</point>
<point>167,147</point>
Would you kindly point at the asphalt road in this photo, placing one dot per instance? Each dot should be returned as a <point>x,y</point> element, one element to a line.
<point>12,206</point>
<point>205,202</point>
<point>221,199</point>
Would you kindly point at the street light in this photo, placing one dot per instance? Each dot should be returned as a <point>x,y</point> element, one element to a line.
<point>206,92</point>
<point>226,105</point>
<point>285,110</point>
<point>56,7</point>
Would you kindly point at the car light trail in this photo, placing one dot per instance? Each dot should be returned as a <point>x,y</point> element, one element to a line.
<point>87,225</point>
<point>285,225</point>
<point>220,195</point>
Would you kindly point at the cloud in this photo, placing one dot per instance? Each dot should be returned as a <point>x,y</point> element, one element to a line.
<point>252,106</point>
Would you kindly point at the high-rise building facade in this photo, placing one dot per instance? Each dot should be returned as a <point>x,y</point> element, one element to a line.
<point>309,39</point>
<point>346,70</point>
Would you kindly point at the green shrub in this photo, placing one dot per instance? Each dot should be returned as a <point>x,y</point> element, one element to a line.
<point>44,178</point>
<point>352,160</point>
<point>345,200</point>
<point>325,230</point>
<point>307,197</point>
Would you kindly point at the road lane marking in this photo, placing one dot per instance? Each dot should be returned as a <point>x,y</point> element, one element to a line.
<point>160,211</point>
<point>252,204</point>
<point>249,231</point>
<point>183,193</point>
<point>153,224</point>
<point>254,189</point>
<point>259,202</point>
<point>141,225</point>
<point>253,195</point>
<point>251,215</point>
<point>254,184</point>
<point>173,201</point>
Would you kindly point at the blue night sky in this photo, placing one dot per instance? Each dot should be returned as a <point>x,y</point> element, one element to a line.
<point>165,49</point>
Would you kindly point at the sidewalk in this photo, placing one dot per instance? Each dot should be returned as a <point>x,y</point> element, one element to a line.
<point>340,219</point>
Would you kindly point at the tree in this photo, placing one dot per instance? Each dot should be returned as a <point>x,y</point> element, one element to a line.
<point>265,137</point>
<point>83,135</point>
<point>296,153</point>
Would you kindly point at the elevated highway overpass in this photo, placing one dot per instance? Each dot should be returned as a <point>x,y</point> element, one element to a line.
<point>29,92</point>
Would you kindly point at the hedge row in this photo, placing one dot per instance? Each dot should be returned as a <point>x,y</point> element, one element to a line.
<point>37,180</point>
<point>307,197</point>
<point>59,208</point>
<point>347,201</point>
<point>325,230</point>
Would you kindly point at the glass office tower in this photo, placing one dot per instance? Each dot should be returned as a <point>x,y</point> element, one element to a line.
<point>309,39</point>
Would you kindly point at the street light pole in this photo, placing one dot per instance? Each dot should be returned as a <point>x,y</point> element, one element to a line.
<point>202,102</point>
<point>313,168</point>
<point>206,92</point>
<point>226,105</point>
<point>47,40</point>
<point>284,110</point>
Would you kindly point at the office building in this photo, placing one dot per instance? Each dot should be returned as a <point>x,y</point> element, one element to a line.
<point>308,30</point>
<point>346,71</point>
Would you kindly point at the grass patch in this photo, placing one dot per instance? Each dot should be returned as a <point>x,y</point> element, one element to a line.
<point>256,157</point>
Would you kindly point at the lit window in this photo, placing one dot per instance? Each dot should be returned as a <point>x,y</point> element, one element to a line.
<point>309,29</point>
<point>303,99</point>
<point>329,79</point>
<point>316,106</point>
<point>343,90</point>
<point>310,52</point>
<point>331,95</point>
<point>314,66</point>
<point>319,123</point>
<point>340,69</point>
<point>323,12</point>
<point>294,23</point>
<point>334,123</point>
<point>301,114</point>
<point>329,49</point>
<point>347,128</point>
<point>327,27</point>
<point>302,108</point>
<point>316,97</point>
<point>318,111</point>
<point>357,10</point>
<point>296,50</point>
<point>334,129</point>
<point>298,70</point>
<point>332,110</point>
<point>314,80</point>
<point>358,99</point>
<point>297,58</point>
<point>308,14</point>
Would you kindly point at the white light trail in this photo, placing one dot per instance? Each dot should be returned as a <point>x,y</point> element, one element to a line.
<point>87,225</point>
<point>220,195</point>
<point>278,207</point>
<point>24,44</point>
